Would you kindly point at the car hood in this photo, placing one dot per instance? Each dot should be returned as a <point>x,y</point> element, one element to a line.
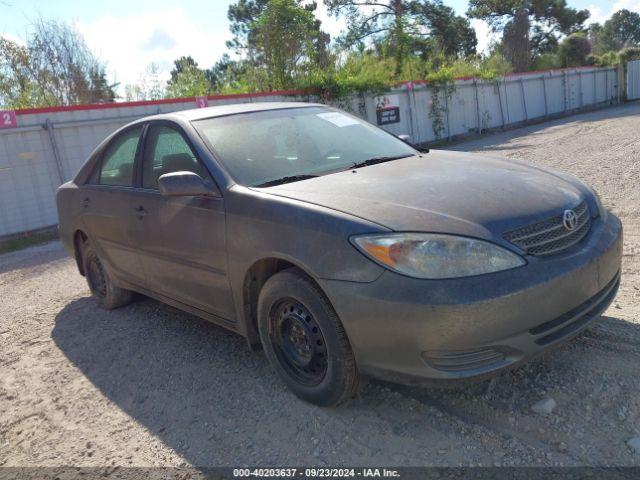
<point>443,191</point>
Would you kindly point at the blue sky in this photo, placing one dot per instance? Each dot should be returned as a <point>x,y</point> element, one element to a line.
<point>130,34</point>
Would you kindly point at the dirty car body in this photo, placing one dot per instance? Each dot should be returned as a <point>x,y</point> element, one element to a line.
<point>436,265</point>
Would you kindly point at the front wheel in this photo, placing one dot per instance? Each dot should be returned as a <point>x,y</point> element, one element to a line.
<point>304,340</point>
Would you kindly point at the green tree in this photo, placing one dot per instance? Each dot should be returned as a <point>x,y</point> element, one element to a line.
<point>55,67</point>
<point>573,50</point>
<point>242,15</point>
<point>529,27</point>
<point>17,88</point>
<point>594,34</point>
<point>284,36</point>
<point>149,86</point>
<point>187,79</point>
<point>376,20</point>
<point>622,30</point>
<point>181,65</point>
<point>398,28</point>
<point>229,75</point>
<point>446,32</point>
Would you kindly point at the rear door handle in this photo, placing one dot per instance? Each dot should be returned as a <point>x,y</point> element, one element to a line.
<point>140,212</point>
<point>85,202</point>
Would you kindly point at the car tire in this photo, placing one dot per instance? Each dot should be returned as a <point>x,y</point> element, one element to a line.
<point>107,294</point>
<point>305,341</point>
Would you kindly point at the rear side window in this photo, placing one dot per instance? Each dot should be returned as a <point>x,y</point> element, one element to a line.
<point>166,152</point>
<point>118,159</point>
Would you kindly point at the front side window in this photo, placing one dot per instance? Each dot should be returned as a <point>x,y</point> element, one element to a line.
<point>167,151</point>
<point>260,147</point>
<point>118,159</point>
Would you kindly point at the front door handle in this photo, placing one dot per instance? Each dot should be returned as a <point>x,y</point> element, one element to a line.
<point>85,202</point>
<point>140,212</point>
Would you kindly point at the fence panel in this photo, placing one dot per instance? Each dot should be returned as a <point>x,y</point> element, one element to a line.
<point>424,122</point>
<point>633,80</point>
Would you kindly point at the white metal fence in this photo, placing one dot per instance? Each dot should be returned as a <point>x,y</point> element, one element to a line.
<point>46,147</point>
<point>476,106</point>
<point>633,80</point>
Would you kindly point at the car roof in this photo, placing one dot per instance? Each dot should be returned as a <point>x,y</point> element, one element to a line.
<point>230,109</point>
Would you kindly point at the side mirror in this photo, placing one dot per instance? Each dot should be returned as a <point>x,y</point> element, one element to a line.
<point>405,139</point>
<point>185,184</point>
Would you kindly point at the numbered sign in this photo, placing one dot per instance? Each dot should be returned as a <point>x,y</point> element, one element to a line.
<point>8,119</point>
<point>202,102</point>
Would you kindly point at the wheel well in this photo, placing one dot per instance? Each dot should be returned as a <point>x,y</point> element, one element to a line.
<point>255,278</point>
<point>78,240</point>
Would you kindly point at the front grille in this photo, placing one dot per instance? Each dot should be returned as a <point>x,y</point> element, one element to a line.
<point>551,236</point>
<point>460,360</point>
<point>577,318</point>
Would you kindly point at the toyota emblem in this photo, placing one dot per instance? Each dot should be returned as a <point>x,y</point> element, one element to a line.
<point>570,220</point>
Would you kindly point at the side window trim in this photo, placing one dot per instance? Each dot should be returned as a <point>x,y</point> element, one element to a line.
<point>139,184</point>
<point>137,166</point>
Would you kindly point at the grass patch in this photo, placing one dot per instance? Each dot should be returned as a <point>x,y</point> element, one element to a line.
<point>27,240</point>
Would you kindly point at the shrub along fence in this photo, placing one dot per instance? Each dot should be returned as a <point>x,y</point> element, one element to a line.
<point>42,148</point>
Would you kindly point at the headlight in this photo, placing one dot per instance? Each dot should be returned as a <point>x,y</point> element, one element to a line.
<point>433,256</point>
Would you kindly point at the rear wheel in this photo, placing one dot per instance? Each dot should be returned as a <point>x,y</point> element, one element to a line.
<point>108,295</point>
<point>304,340</point>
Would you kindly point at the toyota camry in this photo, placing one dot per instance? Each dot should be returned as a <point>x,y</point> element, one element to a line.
<point>340,249</point>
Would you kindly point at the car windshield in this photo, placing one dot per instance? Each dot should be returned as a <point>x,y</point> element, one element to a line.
<point>278,146</point>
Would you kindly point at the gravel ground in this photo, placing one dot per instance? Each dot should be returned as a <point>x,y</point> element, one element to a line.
<point>147,385</point>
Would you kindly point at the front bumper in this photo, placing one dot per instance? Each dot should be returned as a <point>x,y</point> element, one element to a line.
<point>408,329</point>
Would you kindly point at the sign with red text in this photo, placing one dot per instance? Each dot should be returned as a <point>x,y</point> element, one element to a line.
<point>8,119</point>
<point>387,109</point>
<point>202,102</point>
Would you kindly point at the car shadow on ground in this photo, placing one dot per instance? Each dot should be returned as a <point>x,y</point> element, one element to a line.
<point>190,382</point>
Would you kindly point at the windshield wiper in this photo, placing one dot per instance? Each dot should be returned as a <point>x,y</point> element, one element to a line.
<point>289,179</point>
<point>374,160</point>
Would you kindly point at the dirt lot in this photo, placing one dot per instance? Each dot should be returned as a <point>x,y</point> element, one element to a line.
<point>147,385</point>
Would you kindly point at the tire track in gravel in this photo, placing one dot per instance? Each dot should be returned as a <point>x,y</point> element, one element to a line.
<point>488,421</point>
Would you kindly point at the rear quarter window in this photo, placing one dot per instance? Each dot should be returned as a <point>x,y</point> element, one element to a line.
<point>116,168</point>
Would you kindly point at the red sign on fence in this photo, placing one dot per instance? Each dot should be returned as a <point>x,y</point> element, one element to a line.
<point>202,102</point>
<point>8,119</point>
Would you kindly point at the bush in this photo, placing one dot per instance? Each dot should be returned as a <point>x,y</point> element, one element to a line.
<point>367,72</point>
<point>573,50</point>
<point>629,54</point>
<point>546,61</point>
<point>608,59</point>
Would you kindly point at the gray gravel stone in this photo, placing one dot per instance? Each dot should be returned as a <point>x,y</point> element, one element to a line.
<point>544,406</point>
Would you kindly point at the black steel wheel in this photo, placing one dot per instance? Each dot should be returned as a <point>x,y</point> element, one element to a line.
<point>96,277</point>
<point>305,341</point>
<point>298,342</point>
<point>107,293</point>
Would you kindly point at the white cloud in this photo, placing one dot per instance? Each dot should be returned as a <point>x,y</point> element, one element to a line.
<point>597,15</point>
<point>128,44</point>
<point>600,16</point>
<point>330,24</point>
<point>484,34</point>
